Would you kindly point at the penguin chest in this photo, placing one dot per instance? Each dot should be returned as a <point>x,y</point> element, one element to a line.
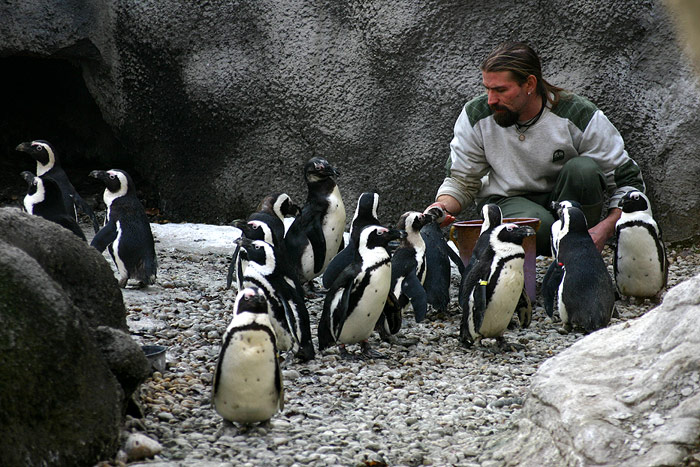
<point>333,225</point>
<point>246,388</point>
<point>370,299</point>
<point>639,272</point>
<point>501,305</point>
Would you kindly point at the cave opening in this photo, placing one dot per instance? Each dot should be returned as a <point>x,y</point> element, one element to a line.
<point>47,99</point>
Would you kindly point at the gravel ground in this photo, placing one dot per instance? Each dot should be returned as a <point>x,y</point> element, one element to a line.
<point>431,402</point>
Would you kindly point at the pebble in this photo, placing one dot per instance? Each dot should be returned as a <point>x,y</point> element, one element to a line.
<point>431,402</point>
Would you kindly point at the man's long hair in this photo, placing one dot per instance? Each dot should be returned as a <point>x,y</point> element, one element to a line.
<point>522,61</point>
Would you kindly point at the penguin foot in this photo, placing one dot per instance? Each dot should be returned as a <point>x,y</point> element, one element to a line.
<point>310,290</point>
<point>345,355</point>
<point>369,353</point>
<point>122,282</point>
<point>508,346</point>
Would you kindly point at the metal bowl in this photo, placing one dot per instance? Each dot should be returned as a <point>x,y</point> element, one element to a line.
<point>156,356</point>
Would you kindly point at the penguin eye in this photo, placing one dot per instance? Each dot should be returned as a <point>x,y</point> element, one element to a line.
<point>257,247</point>
<point>509,228</point>
<point>112,176</point>
<point>255,226</point>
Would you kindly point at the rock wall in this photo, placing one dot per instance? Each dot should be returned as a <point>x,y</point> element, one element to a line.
<point>222,103</point>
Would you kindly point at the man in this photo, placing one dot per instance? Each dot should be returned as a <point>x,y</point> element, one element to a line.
<point>526,143</point>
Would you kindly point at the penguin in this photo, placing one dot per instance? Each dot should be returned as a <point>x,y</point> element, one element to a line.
<point>44,198</point>
<point>288,313</point>
<point>552,278</point>
<point>492,217</point>
<point>357,297</point>
<point>408,265</point>
<point>126,231</point>
<point>316,235</point>
<point>438,256</point>
<point>365,214</point>
<point>640,263</point>
<point>493,286</point>
<point>266,223</point>
<point>586,295</point>
<point>248,385</point>
<point>47,163</point>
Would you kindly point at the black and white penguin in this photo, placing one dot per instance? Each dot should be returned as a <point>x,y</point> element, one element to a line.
<point>357,297</point>
<point>126,231</point>
<point>248,385</point>
<point>552,278</point>
<point>288,313</point>
<point>365,214</point>
<point>586,295</point>
<point>267,224</point>
<point>493,286</point>
<point>640,263</point>
<point>316,235</point>
<point>44,199</point>
<point>492,217</point>
<point>47,163</point>
<point>408,265</point>
<point>438,259</point>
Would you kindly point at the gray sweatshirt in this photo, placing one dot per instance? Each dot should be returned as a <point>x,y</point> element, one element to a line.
<point>487,159</point>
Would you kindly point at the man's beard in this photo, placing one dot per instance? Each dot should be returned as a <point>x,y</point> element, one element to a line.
<point>506,117</point>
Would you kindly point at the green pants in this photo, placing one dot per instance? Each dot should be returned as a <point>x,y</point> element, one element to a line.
<point>579,180</point>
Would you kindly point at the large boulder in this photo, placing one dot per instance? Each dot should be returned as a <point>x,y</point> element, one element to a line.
<point>222,102</point>
<point>67,366</point>
<point>626,395</point>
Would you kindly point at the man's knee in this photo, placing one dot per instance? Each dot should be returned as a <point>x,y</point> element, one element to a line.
<point>583,172</point>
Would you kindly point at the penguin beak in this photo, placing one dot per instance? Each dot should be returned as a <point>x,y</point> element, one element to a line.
<point>99,174</point>
<point>526,231</point>
<point>244,242</point>
<point>23,147</point>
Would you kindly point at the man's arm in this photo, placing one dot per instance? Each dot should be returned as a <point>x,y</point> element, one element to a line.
<point>603,230</point>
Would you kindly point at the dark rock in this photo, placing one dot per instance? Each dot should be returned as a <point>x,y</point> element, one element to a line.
<point>63,349</point>
<point>374,87</point>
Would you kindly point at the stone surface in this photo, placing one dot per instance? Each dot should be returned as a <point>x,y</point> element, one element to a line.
<point>215,121</point>
<point>63,348</point>
<point>626,395</point>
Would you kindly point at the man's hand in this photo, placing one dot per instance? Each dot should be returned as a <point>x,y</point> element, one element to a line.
<point>603,230</point>
<point>439,212</point>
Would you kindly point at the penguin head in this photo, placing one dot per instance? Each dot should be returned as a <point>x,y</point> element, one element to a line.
<point>256,230</point>
<point>635,201</point>
<point>116,181</point>
<point>33,182</point>
<point>413,221</point>
<point>572,220</point>
<point>512,233</point>
<point>259,252</point>
<point>365,212</point>
<point>492,216</point>
<point>319,169</point>
<point>279,204</point>
<point>559,206</point>
<point>376,236</point>
<point>251,300</point>
<point>42,152</point>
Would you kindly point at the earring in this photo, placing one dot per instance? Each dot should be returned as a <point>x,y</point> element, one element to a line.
<point>529,92</point>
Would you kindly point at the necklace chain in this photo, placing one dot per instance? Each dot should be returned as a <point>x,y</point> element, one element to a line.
<point>521,128</point>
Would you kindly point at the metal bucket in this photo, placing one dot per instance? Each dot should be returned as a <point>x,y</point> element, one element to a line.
<point>464,234</point>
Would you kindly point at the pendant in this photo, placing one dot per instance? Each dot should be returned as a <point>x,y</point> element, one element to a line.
<point>521,137</point>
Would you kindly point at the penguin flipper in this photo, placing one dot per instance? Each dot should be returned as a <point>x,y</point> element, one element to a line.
<point>412,287</point>
<point>86,209</point>
<point>550,285</point>
<point>233,267</point>
<point>337,264</point>
<point>314,232</point>
<point>105,236</point>
<point>391,314</point>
